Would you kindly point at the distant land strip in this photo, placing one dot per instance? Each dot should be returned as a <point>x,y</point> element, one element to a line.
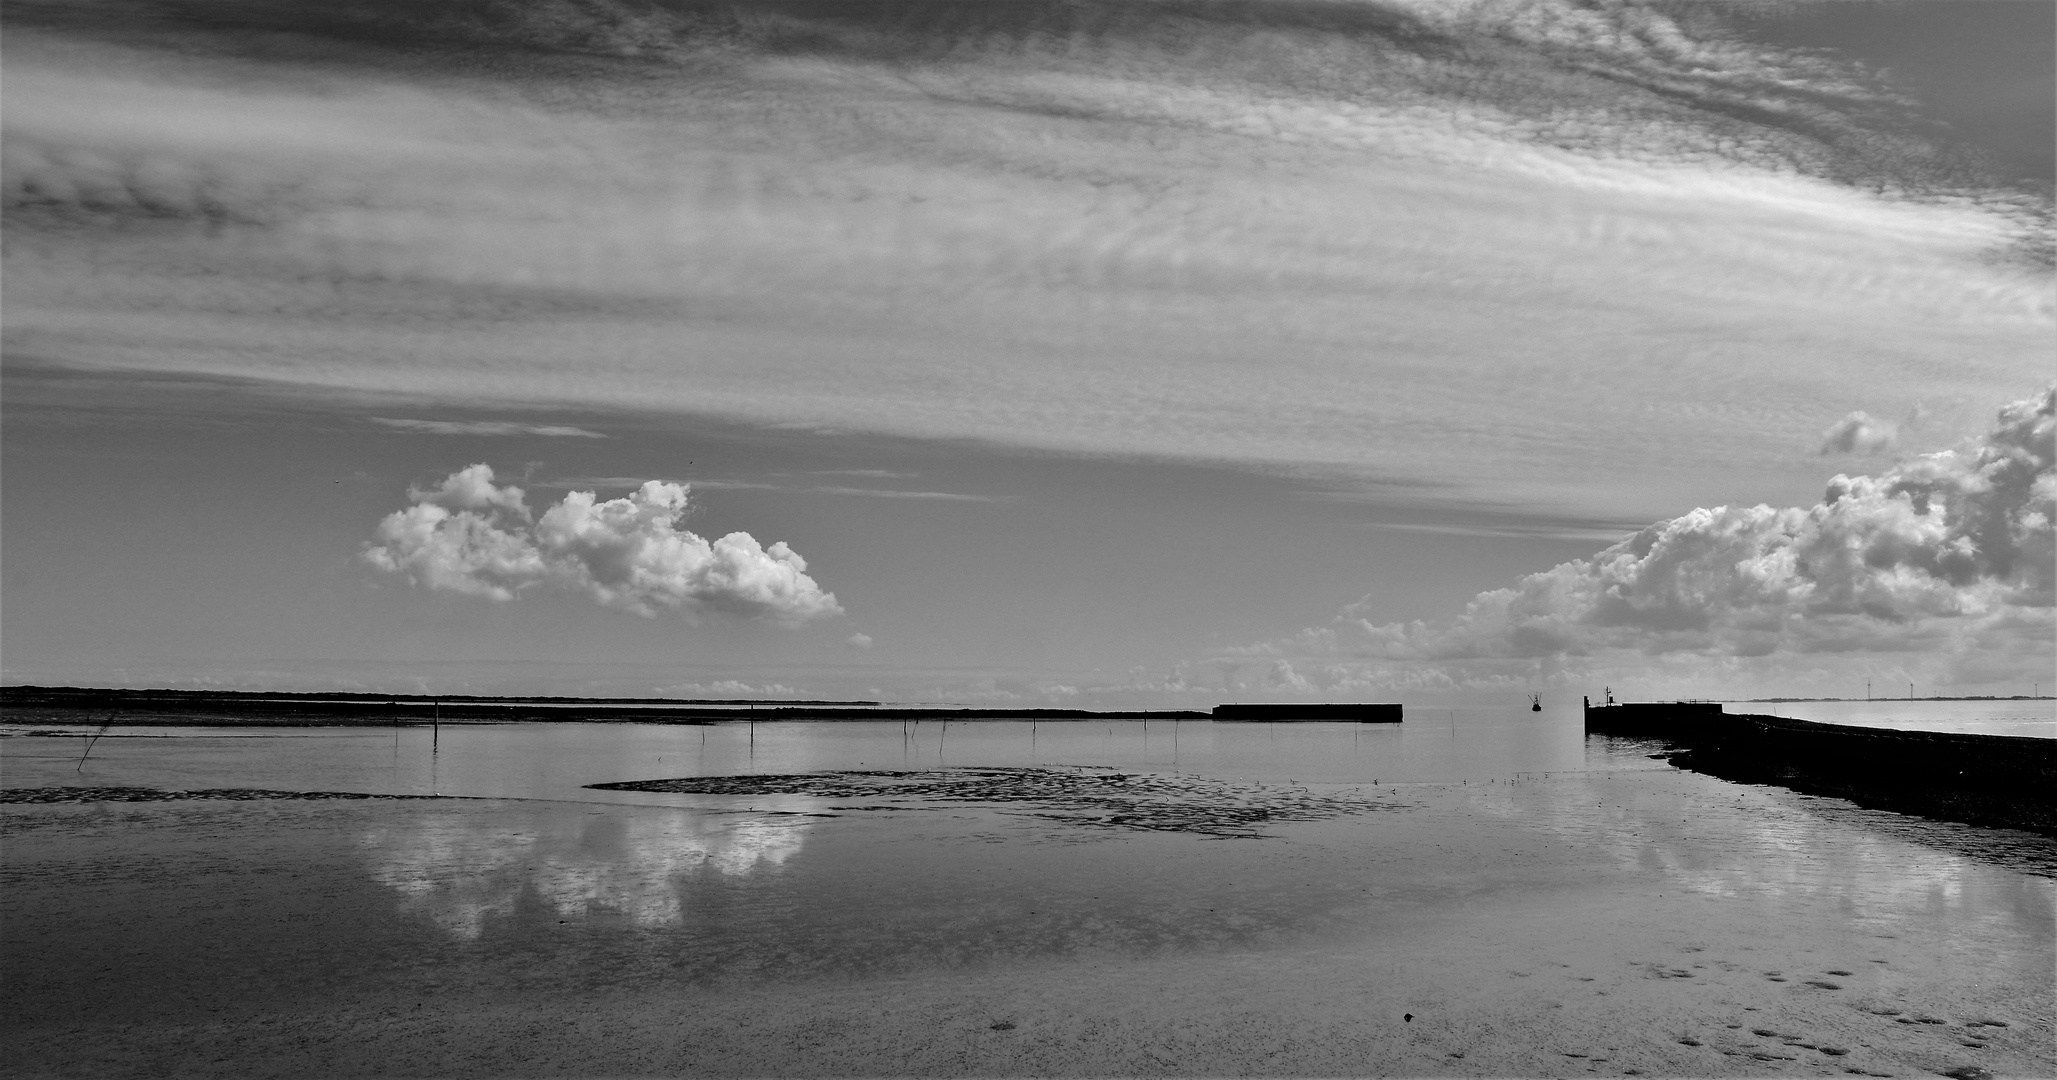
<point>1891,700</point>
<point>166,708</point>
<point>78,793</point>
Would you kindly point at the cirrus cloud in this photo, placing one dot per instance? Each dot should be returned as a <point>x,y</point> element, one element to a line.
<point>484,427</point>
<point>469,535</point>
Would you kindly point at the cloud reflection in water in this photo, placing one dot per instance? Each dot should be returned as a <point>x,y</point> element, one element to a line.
<point>462,869</point>
<point>1741,843</point>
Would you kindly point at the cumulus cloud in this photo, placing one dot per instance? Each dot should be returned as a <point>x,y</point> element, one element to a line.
<point>1858,433</point>
<point>1944,553</point>
<point>470,535</point>
<point>858,641</point>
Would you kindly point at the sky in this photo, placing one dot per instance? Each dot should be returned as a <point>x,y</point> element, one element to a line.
<point>1092,354</point>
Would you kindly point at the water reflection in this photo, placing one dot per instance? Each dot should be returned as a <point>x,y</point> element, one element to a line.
<point>463,869</point>
<point>1733,842</point>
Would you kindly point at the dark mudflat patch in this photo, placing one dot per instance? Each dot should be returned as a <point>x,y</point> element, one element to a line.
<point>1191,804</point>
<point>86,794</point>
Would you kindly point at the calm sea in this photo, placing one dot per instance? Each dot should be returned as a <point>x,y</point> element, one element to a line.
<point>543,760</point>
<point>2034,719</point>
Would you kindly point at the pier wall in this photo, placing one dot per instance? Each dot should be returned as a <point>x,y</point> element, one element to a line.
<point>1997,780</point>
<point>1360,712</point>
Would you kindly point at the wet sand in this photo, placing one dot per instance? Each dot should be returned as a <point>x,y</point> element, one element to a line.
<point>1648,922</point>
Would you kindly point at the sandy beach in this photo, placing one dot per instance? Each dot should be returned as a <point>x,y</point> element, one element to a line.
<point>1634,922</point>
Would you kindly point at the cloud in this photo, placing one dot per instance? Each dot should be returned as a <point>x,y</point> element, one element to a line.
<point>1949,554</point>
<point>1282,233</point>
<point>858,641</point>
<point>469,535</point>
<point>728,688</point>
<point>867,493</point>
<point>485,427</point>
<point>1858,433</point>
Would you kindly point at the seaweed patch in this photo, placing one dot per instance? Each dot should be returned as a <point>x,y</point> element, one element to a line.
<point>1103,798</point>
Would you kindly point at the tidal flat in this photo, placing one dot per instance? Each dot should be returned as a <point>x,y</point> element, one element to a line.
<point>1477,894</point>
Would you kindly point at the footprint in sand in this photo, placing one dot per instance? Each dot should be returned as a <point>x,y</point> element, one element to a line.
<point>1688,1041</point>
<point>1775,976</point>
<point>1824,984</point>
<point>1844,974</point>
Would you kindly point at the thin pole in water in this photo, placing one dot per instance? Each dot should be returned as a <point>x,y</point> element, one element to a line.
<point>436,730</point>
<point>96,738</point>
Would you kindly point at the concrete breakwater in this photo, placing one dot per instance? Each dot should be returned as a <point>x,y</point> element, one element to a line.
<point>1995,780</point>
<point>1291,711</point>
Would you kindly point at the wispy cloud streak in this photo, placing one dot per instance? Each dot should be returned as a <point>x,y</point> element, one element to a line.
<point>485,427</point>
<point>1498,248</point>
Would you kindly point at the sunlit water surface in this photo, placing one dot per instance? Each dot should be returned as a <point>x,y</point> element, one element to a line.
<point>556,761</point>
<point>2034,719</point>
<point>534,880</point>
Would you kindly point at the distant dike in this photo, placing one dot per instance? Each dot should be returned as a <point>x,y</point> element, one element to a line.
<point>87,705</point>
<point>2006,781</point>
<point>289,709</point>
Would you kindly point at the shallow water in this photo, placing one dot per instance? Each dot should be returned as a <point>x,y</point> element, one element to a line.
<point>2033,719</point>
<point>555,761</point>
<point>1482,871</point>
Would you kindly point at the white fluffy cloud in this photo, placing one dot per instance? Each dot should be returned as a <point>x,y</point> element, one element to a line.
<point>1948,554</point>
<point>469,535</point>
<point>1859,433</point>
